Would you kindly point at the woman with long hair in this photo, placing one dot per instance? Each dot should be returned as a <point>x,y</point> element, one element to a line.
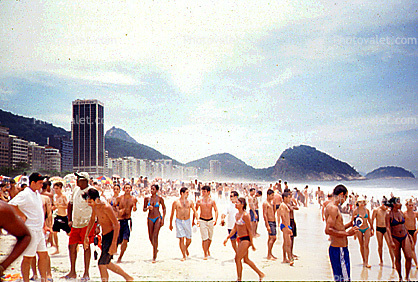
<point>155,220</point>
<point>245,239</point>
<point>362,219</point>
<point>399,236</point>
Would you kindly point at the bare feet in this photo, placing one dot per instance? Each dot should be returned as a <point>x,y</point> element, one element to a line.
<point>154,261</point>
<point>119,261</point>
<point>261,276</point>
<point>285,261</point>
<point>56,252</point>
<point>291,263</point>
<point>129,278</point>
<point>381,263</point>
<point>368,266</point>
<point>69,276</point>
<point>187,252</point>
<point>271,257</point>
<point>205,258</point>
<point>183,259</point>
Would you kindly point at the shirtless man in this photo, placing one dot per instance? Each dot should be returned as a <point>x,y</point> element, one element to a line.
<point>10,222</point>
<point>110,230</point>
<point>324,205</point>
<point>61,219</point>
<point>270,221</point>
<point>320,196</point>
<point>182,209</point>
<point>285,227</point>
<point>277,199</point>
<point>335,228</point>
<point>125,204</point>
<point>253,204</point>
<point>206,222</point>
<point>410,223</point>
<point>379,214</point>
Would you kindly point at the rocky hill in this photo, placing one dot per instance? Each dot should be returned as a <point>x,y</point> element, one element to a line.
<point>390,172</point>
<point>233,168</point>
<point>307,163</point>
<point>121,134</point>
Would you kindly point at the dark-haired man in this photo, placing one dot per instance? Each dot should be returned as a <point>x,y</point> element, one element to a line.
<point>13,190</point>
<point>125,204</point>
<point>206,221</point>
<point>379,214</point>
<point>229,214</point>
<point>284,212</point>
<point>108,221</point>
<point>28,205</point>
<point>270,221</point>
<point>182,208</point>
<point>335,228</point>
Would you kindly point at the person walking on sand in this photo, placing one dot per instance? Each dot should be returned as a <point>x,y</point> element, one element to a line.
<point>181,208</point>
<point>61,219</point>
<point>113,200</point>
<point>125,204</point>
<point>206,221</point>
<point>102,211</point>
<point>28,205</point>
<point>270,221</point>
<point>245,239</point>
<point>155,220</point>
<point>379,214</point>
<point>14,226</point>
<point>335,228</point>
<point>399,236</point>
<point>253,204</point>
<point>284,212</point>
<point>365,230</point>
<point>229,215</point>
<point>79,214</point>
<point>410,224</point>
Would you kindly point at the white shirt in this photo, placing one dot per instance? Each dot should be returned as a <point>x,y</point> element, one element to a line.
<point>30,203</point>
<point>81,210</point>
<point>230,211</point>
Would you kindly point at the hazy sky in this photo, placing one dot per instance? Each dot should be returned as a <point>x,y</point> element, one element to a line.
<point>250,78</point>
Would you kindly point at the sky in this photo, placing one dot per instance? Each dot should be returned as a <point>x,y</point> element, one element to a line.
<point>250,78</point>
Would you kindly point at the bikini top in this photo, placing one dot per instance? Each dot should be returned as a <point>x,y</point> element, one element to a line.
<point>366,216</point>
<point>240,221</point>
<point>156,204</point>
<point>394,222</point>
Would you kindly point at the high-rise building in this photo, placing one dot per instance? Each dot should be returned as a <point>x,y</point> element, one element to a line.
<point>65,147</point>
<point>87,131</point>
<point>4,147</point>
<point>215,168</point>
<point>18,152</point>
<point>36,156</point>
<point>53,158</point>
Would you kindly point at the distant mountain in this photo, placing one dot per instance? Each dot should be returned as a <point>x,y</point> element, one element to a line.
<point>119,148</point>
<point>390,172</point>
<point>233,168</point>
<point>121,134</point>
<point>30,129</point>
<point>307,163</point>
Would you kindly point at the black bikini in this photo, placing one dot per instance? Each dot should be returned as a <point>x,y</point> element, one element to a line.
<point>395,223</point>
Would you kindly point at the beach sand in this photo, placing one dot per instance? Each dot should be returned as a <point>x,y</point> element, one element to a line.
<point>311,245</point>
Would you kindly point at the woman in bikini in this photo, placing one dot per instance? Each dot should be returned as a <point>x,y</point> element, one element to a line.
<point>113,201</point>
<point>245,239</point>
<point>365,229</point>
<point>155,220</point>
<point>399,236</point>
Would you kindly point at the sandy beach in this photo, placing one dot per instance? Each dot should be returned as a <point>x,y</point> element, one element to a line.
<point>311,245</point>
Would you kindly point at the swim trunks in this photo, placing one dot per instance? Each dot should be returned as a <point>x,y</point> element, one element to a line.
<point>252,215</point>
<point>293,225</point>
<point>273,228</point>
<point>183,228</point>
<point>105,257</point>
<point>381,229</point>
<point>234,237</point>
<point>206,229</point>
<point>125,230</point>
<point>340,262</point>
<point>283,226</point>
<point>412,232</point>
<point>61,223</point>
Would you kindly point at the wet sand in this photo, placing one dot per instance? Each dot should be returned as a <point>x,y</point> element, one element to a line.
<point>311,245</point>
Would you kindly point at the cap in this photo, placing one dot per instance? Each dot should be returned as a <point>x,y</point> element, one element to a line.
<point>82,175</point>
<point>36,176</point>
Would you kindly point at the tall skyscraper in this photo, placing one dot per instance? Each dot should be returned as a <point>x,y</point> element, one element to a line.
<point>87,132</point>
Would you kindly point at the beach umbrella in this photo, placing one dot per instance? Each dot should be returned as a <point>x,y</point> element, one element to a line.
<point>57,179</point>
<point>104,179</point>
<point>17,178</point>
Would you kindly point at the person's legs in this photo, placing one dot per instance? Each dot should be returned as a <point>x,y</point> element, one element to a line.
<point>156,232</point>
<point>367,235</point>
<point>253,266</point>
<point>188,242</point>
<point>43,259</point>
<point>25,267</point>
<point>234,245</point>
<point>182,248</point>
<point>104,275</point>
<point>241,251</point>
<point>397,253</point>
<point>408,253</point>
<point>87,257</point>
<point>55,240</point>
<point>360,238</point>
<point>123,248</point>
<point>391,253</point>
<point>118,270</point>
<point>34,269</point>
<point>379,237</point>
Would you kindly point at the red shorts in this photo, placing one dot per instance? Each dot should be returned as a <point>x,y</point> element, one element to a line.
<point>77,235</point>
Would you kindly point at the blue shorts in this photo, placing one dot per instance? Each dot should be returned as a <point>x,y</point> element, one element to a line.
<point>125,230</point>
<point>252,215</point>
<point>340,262</point>
<point>273,228</point>
<point>234,237</point>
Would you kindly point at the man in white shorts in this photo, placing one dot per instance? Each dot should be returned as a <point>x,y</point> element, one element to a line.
<point>182,208</point>
<point>28,205</point>
<point>206,221</point>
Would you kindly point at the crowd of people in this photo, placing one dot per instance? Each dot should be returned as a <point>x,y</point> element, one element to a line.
<point>89,212</point>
